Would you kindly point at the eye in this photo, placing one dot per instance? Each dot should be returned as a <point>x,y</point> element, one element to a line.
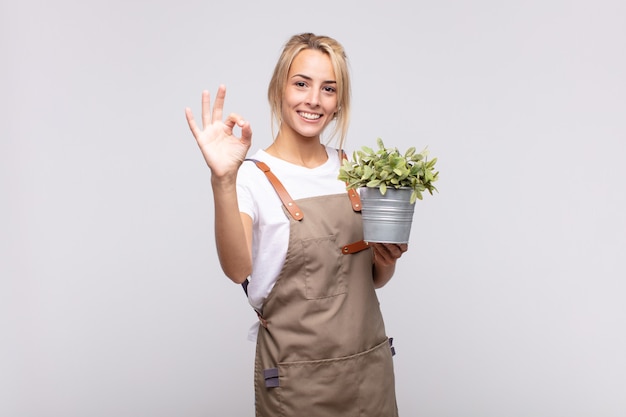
<point>300,84</point>
<point>329,89</point>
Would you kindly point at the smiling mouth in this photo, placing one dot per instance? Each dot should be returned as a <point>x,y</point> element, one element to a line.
<point>309,116</point>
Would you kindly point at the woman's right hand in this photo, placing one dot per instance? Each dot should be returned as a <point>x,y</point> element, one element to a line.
<point>222,150</point>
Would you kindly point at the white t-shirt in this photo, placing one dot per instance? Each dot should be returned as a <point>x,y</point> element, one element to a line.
<point>259,200</point>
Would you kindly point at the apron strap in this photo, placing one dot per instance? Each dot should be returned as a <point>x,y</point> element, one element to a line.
<point>354,199</point>
<point>284,196</point>
<point>354,247</point>
<point>244,285</point>
<point>291,207</point>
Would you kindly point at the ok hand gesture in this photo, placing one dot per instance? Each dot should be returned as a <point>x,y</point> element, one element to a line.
<point>222,150</point>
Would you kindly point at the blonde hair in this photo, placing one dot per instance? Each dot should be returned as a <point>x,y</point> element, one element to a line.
<point>337,55</point>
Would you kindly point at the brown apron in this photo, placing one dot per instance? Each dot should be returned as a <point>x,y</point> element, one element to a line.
<point>322,348</point>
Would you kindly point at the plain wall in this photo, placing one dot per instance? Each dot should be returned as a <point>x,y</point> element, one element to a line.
<point>511,301</point>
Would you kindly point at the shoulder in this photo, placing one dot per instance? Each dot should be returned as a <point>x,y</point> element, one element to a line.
<point>249,169</point>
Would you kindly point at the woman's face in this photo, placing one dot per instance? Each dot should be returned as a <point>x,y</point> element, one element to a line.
<point>310,96</point>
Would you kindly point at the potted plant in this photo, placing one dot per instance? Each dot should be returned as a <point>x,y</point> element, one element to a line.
<point>390,182</point>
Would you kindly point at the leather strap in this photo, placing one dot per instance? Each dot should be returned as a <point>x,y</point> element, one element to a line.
<point>284,196</point>
<point>354,199</point>
<point>355,247</point>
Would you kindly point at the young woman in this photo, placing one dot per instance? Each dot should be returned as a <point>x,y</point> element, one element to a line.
<point>287,229</point>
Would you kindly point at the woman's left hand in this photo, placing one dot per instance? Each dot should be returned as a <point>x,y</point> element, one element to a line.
<point>385,257</point>
<point>386,254</point>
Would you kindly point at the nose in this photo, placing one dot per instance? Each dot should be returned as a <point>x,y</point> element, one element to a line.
<point>313,98</point>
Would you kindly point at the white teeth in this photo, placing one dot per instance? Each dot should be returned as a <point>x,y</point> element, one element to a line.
<point>310,116</point>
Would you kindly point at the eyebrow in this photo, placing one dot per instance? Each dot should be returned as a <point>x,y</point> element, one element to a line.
<point>306,77</point>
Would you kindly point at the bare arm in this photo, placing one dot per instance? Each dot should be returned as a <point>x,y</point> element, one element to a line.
<point>385,257</point>
<point>224,152</point>
<point>233,233</point>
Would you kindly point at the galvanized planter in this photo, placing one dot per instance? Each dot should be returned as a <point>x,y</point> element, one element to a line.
<point>386,218</point>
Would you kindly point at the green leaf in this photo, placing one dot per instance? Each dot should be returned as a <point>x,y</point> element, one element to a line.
<point>368,172</point>
<point>380,143</point>
<point>354,184</point>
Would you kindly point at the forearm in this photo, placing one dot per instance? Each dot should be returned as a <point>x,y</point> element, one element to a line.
<point>382,274</point>
<point>232,240</point>
<point>385,257</point>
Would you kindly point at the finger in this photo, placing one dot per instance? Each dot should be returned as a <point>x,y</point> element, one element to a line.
<point>190,121</point>
<point>246,132</point>
<point>218,106</point>
<point>206,109</point>
<point>400,248</point>
<point>380,249</point>
<point>233,120</point>
<point>396,250</point>
<point>386,252</point>
<point>381,255</point>
<point>391,251</point>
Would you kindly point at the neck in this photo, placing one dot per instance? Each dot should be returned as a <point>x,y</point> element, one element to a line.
<point>309,153</point>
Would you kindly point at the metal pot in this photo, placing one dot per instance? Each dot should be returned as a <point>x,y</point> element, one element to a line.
<point>386,218</point>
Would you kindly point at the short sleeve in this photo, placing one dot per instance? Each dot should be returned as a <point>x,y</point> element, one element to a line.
<point>245,180</point>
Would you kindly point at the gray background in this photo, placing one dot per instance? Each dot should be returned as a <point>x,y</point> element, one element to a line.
<point>511,299</point>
